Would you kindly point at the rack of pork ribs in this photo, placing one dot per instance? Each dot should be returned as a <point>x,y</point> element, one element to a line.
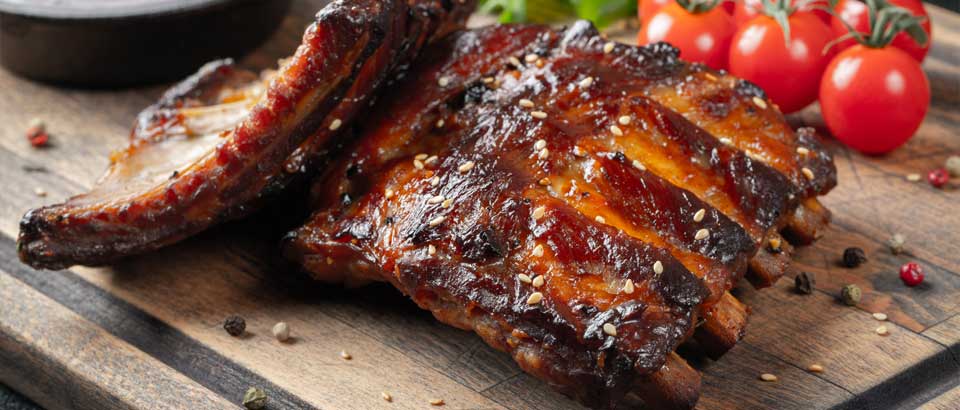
<point>582,205</point>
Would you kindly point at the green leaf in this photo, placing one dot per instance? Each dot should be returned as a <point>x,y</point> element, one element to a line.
<point>600,12</point>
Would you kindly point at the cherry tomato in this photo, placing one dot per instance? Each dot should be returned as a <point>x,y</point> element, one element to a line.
<point>789,75</point>
<point>647,8</point>
<point>701,37</point>
<point>874,99</point>
<point>745,10</point>
<point>854,12</point>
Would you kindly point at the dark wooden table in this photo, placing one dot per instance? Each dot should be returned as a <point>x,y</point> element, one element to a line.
<point>146,333</point>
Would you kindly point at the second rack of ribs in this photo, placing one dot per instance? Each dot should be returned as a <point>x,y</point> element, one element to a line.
<point>578,205</point>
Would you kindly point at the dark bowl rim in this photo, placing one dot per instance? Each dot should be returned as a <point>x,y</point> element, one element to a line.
<point>156,8</point>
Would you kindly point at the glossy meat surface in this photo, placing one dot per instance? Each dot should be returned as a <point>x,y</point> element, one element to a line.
<point>220,143</point>
<point>539,186</point>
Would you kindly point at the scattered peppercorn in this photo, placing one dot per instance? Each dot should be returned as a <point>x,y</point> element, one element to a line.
<point>911,274</point>
<point>850,295</point>
<point>281,331</point>
<point>938,177</point>
<point>254,399</point>
<point>953,165</point>
<point>896,243</point>
<point>37,134</point>
<point>235,325</point>
<point>804,283</point>
<point>853,257</point>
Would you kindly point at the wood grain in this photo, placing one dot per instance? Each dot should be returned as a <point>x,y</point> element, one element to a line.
<point>400,349</point>
<point>57,358</point>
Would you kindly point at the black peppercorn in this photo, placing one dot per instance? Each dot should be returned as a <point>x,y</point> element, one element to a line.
<point>235,325</point>
<point>804,283</point>
<point>853,257</point>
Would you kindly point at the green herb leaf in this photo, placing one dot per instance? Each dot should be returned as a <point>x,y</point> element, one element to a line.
<point>600,12</point>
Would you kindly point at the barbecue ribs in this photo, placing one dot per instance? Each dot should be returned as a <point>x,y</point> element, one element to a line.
<point>217,145</point>
<point>578,204</point>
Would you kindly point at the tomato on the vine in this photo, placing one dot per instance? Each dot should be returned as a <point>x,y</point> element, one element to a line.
<point>702,35</point>
<point>744,10</point>
<point>854,13</point>
<point>874,95</point>
<point>790,74</point>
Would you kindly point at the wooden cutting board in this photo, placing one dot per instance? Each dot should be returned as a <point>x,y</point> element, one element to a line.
<point>146,334</point>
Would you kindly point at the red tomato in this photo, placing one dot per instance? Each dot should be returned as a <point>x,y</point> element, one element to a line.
<point>789,75</point>
<point>854,12</point>
<point>745,10</point>
<point>874,99</point>
<point>647,8</point>
<point>701,37</point>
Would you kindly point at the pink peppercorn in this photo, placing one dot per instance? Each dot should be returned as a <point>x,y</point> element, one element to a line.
<point>911,274</point>
<point>938,177</point>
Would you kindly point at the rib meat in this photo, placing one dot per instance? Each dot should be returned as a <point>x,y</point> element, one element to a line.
<point>579,205</point>
<point>217,144</point>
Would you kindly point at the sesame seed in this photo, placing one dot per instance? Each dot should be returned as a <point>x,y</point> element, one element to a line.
<point>608,48</point>
<point>658,267</point>
<point>760,102</point>
<point>534,298</point>
<point>726,141</point>
<point>418,164</point>
<point>437,221</point>
<point>488,80</point>
<point>431,250</point>
<point>538,115</point>
<point>435,181</point>
<point>702,234</point>
<point>600,219</point>
<point>697,217</point>
<point>710,77</point>
<point>882,331</point>
<point>40,192</point>
<point>441,123</point>
<point>436,402</point>
<point>516,62</point>
<point>913,177</point>
<point>443,81</point>
<point>628,286</point>
<point>816,368</point>
<point>435,200</point>
<point>586,82</point>
<point>802,150</point>
<point>539,213</point>
<point>386,397</point>
<point>335,124</point>
<point>638,165</point>
<point>624,120</point>
<point>538,251</point>
<point>531,58</point>
<point>525,103</point>
<point>540,63</point>
<point>616,130</point>
<point>543,154</point>
<point>524,278</point>
<point>432,160</point>
<point>420,157</point>
<point>538,281</point>
<point>329,260</point>
<point>540,144</point>
<point>609,329</point>
<point>880,316</point>
<point>345,356</point>
<point>466,166</point>
<point>767,377</point>
<point>807,173</point>
<point>388,193</point>
<point>446,203</point>
<point>545,181</point>
<point>578,151</point>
